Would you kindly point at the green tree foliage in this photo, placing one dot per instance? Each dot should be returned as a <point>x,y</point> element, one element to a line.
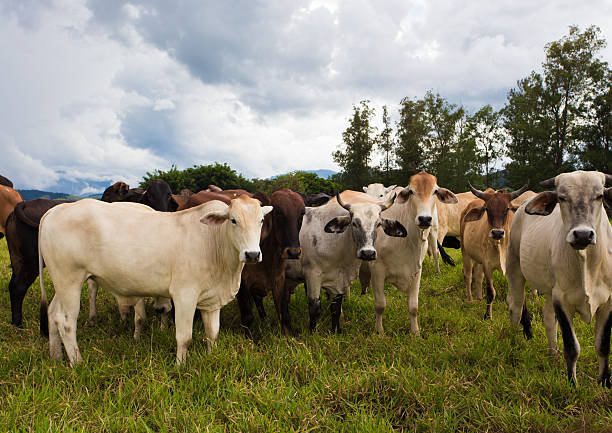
<point>411,130</point>
<point>355,152</point>
<point>549,116</point>
<point>484,127</point>
<point>197,178</point>
<point>386,146</point>
<point>298,181</point>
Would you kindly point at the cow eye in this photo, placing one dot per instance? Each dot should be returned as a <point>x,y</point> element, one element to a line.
<point>354,224</point>
<point>599,197</point>
<point>233,221</point>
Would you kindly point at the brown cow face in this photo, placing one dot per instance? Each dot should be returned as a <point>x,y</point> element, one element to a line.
<point>116,192</point>
<point>421,195</point>
<point>580,195</point>
<point>287,218</point>
<point>497,207</point>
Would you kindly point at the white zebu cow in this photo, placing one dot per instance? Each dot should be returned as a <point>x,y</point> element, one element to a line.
<point>565,252</point>
<point>195,257</point>
<point>331,254</point>
<point>400,260</point>
<point>379,191</point>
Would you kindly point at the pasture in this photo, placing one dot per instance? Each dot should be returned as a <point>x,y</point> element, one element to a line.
<point>460,374</point>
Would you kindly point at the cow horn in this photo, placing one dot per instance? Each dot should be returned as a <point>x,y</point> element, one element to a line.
<point>548,183</point>
<point>608,179</point>
<point>477,193</point>
<point>388,203</point>
<point>341,203</point>
<point>515,194</point>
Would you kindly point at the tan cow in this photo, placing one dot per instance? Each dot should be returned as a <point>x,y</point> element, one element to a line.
<point>195,257</point>
<point>485,240</point>
<point>565,252</point>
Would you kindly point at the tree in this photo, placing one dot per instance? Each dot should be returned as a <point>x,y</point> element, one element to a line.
<point>355,152</point>
<point>411,130</point>
<point>386,146</point>
<point>197,178</point>
<point>484,127</point>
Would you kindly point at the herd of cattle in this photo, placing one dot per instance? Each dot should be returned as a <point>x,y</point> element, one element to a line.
<point>200,251</point>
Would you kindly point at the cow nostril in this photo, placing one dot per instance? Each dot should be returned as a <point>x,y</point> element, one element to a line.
<point>367,254</point>
<point>424,220</point>
<point>252,256</point>
<point>497,234</point>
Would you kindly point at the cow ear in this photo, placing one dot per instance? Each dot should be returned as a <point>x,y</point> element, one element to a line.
<point>365,189</point>
<point>513,208</point>
<point>172,204</point>
<point>394,228</point>
<point>215,218</point>
<point>337,225</point>
<point>263,198</point>
<point>542,204</point>
<point>404,195</point>
<point>446,196</point>
<point>608,196</point>
<point>124,188</point>
<point>266,209</point>
<point>390,188</point>
<point>474,214</point>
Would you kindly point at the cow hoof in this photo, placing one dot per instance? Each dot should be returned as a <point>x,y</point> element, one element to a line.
<point>91,321</point>
<point>605,381</point>
<point>487,315</point>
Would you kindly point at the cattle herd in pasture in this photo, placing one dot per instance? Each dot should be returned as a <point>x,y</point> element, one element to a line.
<point>199,251</point>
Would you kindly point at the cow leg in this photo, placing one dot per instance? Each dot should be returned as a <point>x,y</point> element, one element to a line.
<point>432,248</point>
<point>413,301</point>
<point>92,290</point>
<point>490,294</point>
<point>516,288</point>
<point>163,306</point>
<point>140,316</point>
<point>246,309</point>
<point>467,275</point>
<point>380,302</point>
<point>550,324</point>
<point>313,290</point>
<point>211,326</point>
<point>364,277</point>
<point>67,305</point>
<point>55,341</point>
<point>281,302</point>
<point>184,309</point>
<point>18,287</point>
<point>603,323</point>
<point>258,300</point>
<point>477,277</point>
<point>335,307</point>
<point>571,347</point>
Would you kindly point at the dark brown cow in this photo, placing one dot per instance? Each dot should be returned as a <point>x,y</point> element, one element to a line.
<point>281,243</point>
<point>485,240</point>
<point>6,182</point>
<point>120,191</point>
<point>22,240</point>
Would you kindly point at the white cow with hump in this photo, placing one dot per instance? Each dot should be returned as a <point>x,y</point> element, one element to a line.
<point>400,260</point>
<point>335,238</point>
<point>195,257</point>
<point>565,252</point>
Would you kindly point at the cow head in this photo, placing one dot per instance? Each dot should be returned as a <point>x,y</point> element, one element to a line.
<point>158,196</point>
<point>287,218</point>
<point>580,195</point>
<point>421,194</point>
<point>378,191</point>
<point>496,205</point>
<point>118,191</point>
<point>245,217</point>
<point>364,219</point>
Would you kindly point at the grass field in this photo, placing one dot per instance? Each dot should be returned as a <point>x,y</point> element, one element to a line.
<point>460,374</point>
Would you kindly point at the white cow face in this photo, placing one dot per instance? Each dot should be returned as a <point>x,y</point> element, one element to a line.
<point>379,191</point>
<point>421,194</point>
<point>580,195</point>
<point>245,217</point>
<point>364,220</point>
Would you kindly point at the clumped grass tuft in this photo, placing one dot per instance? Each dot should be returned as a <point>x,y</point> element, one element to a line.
<point>461,373</point>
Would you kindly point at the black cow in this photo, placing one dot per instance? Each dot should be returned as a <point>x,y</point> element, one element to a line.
<point>315,200</point>
<point>22,239</point>
<point>158,195</point>
<point>6,182</point>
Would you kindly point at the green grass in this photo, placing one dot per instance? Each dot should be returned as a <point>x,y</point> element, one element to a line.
<point>460,374</point>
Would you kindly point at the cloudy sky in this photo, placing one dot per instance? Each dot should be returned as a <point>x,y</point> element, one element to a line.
<point>102,90</point>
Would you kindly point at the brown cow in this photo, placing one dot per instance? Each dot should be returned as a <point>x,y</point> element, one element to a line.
<point>281,243</point>
<point>120,191</point>
<point>485,241</point>
<point>6,182</point>
<point>9,197</point>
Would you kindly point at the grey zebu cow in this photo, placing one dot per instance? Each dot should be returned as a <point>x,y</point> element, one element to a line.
<point>565,252</point>
<point>195,258</point>
<point>400,260</point>
<point>331,254</point>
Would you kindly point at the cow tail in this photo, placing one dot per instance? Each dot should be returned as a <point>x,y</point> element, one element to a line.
<point>44,317</point>
<point>445,257</point>
<point>19,211</point>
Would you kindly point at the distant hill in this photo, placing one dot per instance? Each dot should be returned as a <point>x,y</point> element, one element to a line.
<point>32,194</point>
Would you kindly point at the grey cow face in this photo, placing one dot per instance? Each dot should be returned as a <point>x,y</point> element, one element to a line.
<point>364,220</point>
<point>580,195</point>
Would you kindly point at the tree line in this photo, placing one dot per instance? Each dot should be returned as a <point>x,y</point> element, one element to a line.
<point>555,120</point>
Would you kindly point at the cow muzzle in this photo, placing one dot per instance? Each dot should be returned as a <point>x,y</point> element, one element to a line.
<point>424,222</point>
<point>367,255</point>
<point>581,237</point>
<point>497,234</point>
<point>252,256</point>
<point>292,253</point>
